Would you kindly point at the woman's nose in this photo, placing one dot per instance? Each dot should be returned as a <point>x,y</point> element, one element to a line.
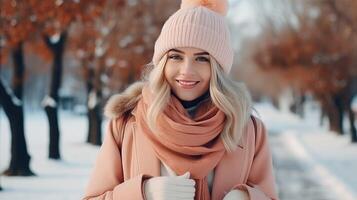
<point>186,67</point>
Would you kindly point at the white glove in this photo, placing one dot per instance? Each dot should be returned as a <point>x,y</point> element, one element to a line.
<point>170,188</point>
<point>236,195</point>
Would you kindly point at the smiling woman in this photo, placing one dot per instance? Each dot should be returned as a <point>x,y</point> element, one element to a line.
<point>188,71</point>
<point>185,131</point>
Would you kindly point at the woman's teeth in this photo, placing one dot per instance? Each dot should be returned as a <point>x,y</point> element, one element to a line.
<point>188,83</point>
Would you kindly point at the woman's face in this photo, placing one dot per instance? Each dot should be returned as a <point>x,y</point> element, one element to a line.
<point>188,72</point>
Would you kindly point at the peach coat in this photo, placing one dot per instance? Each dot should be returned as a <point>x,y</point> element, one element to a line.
<point>126,158</point>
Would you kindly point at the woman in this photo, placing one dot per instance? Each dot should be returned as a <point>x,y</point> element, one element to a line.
<point>186,130</point>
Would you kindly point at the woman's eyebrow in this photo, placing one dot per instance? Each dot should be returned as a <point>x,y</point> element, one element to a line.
<point>176,50</point>
<point>201,53</point>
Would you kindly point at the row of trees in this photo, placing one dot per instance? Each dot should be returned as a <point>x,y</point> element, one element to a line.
<point>110,40</point>
<point>312,48</point>
<point>44,27</point>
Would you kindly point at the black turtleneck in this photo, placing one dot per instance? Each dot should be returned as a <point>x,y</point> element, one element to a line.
<point>191,106</point>
<point>193,103</point>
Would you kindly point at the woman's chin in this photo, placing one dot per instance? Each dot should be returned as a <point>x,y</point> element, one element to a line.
<point>187,97</point>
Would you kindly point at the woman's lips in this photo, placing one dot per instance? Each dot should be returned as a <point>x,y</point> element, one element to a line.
<point>187,84</point>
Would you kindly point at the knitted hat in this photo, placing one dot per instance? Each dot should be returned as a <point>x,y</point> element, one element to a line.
<point>200,24</point>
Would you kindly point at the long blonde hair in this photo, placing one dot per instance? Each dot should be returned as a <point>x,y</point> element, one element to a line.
<point>231,97</point>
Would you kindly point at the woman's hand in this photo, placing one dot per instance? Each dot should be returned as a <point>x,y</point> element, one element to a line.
<point>170,187</point>
<point>236,195</point>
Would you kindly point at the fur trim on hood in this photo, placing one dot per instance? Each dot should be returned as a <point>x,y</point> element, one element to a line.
<point>124,102</point>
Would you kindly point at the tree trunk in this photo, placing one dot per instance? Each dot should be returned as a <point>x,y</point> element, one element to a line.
<point>54,149</point>
<point>331,113</point>
<point>50,103</point>
<point>333,120</point>
<point>350,92</point>
<point>351,116</point>
<point>339,104</point>
<point>94,129</point>
<point>13,107</point>
<point>94,99</point>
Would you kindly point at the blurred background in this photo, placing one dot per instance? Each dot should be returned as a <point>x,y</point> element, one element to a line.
<point>62,59</point>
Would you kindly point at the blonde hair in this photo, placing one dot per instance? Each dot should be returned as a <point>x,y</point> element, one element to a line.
<point>231,97</point>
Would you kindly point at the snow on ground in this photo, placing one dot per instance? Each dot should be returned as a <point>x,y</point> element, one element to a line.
<point>65,179</point>
<point>332,157</point>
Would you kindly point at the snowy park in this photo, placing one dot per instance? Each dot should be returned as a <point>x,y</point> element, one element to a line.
<point>291,63</point>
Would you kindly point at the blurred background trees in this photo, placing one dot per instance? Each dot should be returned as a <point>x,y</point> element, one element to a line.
<point>310,47</point>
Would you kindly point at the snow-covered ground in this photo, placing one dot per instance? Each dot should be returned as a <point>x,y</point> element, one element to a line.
<point>332,157</point>
<point>63,179</point>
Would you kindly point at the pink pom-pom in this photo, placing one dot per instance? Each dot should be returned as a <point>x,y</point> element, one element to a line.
<point>219,6</point>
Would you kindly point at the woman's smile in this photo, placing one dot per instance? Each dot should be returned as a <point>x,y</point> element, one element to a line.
<point>187,84</point>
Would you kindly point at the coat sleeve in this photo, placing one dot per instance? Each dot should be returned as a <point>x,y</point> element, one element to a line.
<point>106,181</point>
<point>261,183</point>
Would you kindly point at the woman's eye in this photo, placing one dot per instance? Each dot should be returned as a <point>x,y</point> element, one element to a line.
<point>202,59</point>
<point>175,57</point>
